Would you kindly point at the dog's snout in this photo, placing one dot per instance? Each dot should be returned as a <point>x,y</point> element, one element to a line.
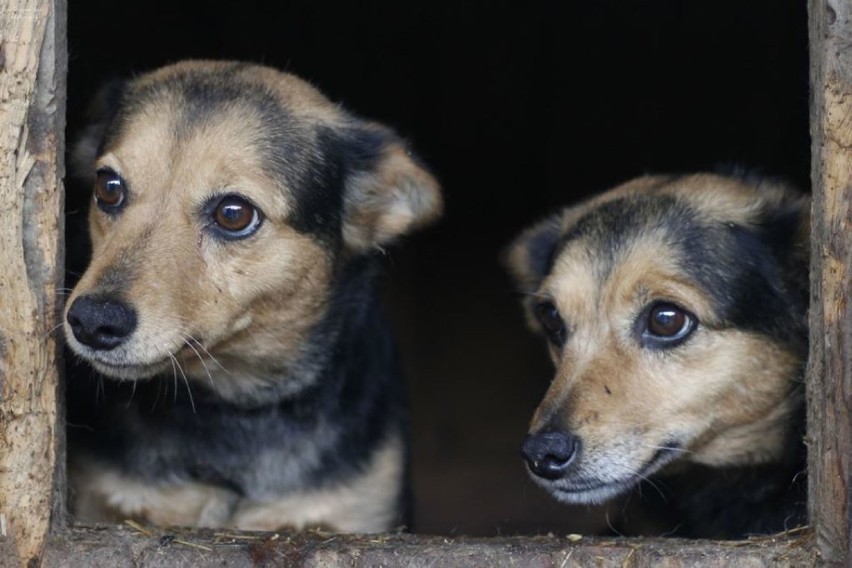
<point>102,323</point>
<point>549,454</point>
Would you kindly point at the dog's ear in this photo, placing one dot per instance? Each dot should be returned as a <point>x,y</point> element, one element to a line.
<point>530,257</point>
<point>787,225</point>
<point>786,228</point>
<point>100,113</point>
<point>387,193</point>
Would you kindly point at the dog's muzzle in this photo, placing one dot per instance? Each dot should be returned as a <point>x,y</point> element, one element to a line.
<point>101,322</point>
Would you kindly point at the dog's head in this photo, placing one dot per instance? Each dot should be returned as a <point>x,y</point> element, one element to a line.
<point>226,198</point>
<point>675,314</point>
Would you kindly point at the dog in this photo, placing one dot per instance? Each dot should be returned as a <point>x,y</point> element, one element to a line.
<point>230,304</point>
<point>675,312</point>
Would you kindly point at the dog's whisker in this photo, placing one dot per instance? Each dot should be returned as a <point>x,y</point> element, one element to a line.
<point>62,292</point>
<point>51,331</point>
<point>100,391</point>
<point>209,355</point>
<point>656,487</point>
<point>610,525</point>
<point>203,364</point>
<point>185,381</point>
<point>532,294</point>
<point>132,394</point>
<point>175,383</point>
<point>163,385</point>
<point>650,482</point>
<point>173,361</point>
<point>668,448</point>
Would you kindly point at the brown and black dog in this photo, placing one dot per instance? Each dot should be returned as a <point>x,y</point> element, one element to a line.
<point>230,297</point>
<point>675,310</point>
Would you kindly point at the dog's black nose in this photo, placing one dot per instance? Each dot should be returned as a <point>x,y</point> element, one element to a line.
<point>550,453</point>
<point>101,322</point>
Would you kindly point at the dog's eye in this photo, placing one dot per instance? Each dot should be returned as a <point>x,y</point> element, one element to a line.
<point>236,216</point>
<point>667,325</point>
<point>551,321</point>
<point>110,191</point>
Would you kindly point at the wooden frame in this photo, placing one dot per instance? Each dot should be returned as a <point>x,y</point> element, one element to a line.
<point>32,124</point>
<point>830,364</point>
<point>33,530</point>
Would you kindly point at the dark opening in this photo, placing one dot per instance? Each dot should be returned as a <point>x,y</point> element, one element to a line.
<point>518,109</point>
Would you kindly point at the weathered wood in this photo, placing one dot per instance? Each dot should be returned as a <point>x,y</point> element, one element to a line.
<point>126,547</point>
<point>830,372</point>
<point>32,115</point>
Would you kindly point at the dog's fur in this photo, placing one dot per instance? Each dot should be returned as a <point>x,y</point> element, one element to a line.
<point>714,419</point>
<point>257,386</point>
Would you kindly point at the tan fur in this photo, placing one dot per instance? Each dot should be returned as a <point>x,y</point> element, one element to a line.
<point>377,215</point>
<point>360,505</point>
<point>724,394</point>
<point>103,494</point>
<point>229,302</point>
<point>294,92</point>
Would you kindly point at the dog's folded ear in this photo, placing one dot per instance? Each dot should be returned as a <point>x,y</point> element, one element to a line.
<point>787,225</point>
<point>99,115</point>
<point>785,228</point>
<point>530,257</point>
<point>387,192</point>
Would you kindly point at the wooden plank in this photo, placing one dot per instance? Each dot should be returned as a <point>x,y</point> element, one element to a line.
<point>32,115</point>
<point>142,547</point>
<point>830,369</point>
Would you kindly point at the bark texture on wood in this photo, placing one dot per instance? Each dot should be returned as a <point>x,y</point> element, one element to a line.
<point>830,372</point>
<point>32,115</point>
<point>124,547</point>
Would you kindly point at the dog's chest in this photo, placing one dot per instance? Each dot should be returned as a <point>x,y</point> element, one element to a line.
<point>364,501</point>
<point>250,453</point>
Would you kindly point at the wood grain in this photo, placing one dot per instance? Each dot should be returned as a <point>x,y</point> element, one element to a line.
<point>32,95</point>
<point>147,546</point>
<point>830,369</point>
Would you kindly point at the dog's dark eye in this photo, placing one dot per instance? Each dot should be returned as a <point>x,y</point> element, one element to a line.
<point>667,325</point>
<point>551,321</point>
<point>236,216</point>
<point>110,191</point>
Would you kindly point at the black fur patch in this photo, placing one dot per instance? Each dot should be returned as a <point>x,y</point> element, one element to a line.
<point>542,247</point>
<point>103,110</point>
<point>340,154</point>
<point>611,226</point>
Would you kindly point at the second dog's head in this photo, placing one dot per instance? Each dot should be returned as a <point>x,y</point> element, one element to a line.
<point>225,197</point>
<point>675,314</point>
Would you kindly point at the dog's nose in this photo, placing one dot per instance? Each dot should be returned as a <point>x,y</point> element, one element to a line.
<point>549,454</point>
<point>101,322</point>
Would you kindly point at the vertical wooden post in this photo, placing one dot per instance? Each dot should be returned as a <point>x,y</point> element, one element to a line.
<point>830,373</point>
<point>32,121</point>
